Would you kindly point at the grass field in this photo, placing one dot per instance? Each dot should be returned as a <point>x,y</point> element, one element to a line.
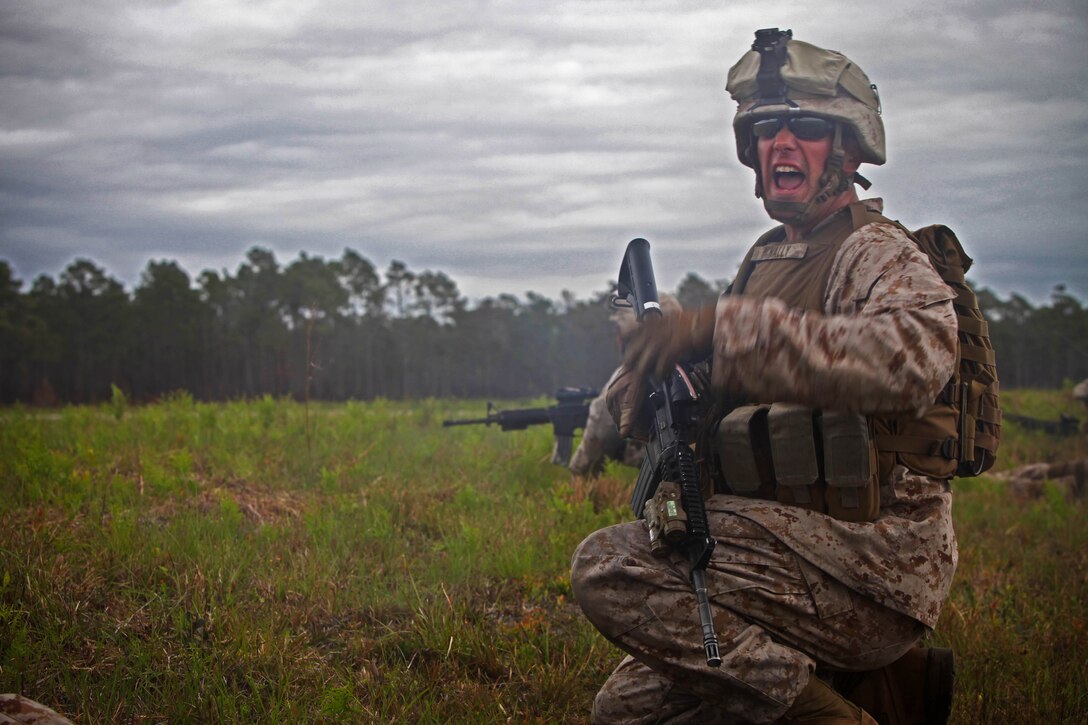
<point>261,562</point>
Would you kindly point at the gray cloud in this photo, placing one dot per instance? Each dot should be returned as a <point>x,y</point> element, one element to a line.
<point>514,146</point>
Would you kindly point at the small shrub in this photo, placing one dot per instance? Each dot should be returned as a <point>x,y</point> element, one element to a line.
<point>118,402</point>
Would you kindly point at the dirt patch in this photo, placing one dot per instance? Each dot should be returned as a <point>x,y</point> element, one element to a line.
<point>257,503</point>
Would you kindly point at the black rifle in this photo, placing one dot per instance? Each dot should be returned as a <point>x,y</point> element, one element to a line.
<point>1066,425</point>
<point>567,416</point>
<point>669,457</point>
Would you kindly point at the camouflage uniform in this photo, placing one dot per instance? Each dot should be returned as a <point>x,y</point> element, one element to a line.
<point>601,440</point>
<point>1080,391</point>
<point>792,589</point>
<point>18,709</point>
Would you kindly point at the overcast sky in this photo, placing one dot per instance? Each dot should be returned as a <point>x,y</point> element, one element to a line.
<point>514,145</point>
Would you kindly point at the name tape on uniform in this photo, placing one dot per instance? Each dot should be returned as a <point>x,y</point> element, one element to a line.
<point>796,250</point>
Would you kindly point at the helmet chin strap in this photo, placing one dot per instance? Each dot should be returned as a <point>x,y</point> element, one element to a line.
<point>833,182</point>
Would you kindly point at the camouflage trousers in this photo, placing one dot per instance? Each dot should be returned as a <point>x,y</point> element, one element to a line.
<point>778,618</point>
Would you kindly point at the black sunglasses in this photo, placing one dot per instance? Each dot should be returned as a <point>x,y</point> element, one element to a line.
<point>806,128</point>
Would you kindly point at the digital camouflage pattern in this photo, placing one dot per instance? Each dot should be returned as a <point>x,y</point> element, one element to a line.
<point>793,589</point>
<point>776,615</point>
<point>886,344</point>
<point>17,709</point>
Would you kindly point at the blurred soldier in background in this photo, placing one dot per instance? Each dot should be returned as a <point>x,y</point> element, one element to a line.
<point>1080,391</point>
<point>1069,476</point>
<point>601,439</point>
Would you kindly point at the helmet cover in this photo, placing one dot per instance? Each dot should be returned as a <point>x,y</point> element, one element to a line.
<point>818,82</point>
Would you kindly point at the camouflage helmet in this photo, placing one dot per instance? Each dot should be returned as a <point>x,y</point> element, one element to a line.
<point>781,76</point>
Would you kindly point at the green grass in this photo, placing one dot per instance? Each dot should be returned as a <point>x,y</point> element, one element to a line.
<point>250,562</point>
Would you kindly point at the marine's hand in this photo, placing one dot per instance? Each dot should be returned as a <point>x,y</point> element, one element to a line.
<point>625,400</point>
<point>661,342</point>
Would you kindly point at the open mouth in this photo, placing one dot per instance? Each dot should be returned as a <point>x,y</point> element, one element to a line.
<point>788,177</point>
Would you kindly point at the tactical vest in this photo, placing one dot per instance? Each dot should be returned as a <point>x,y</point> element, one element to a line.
<point>832,461</point>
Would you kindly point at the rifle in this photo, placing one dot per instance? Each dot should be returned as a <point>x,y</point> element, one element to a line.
<point>567,416</point>
<point>669,457</point>
<point>1066,425</point>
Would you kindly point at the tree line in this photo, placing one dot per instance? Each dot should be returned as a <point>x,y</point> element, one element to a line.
<point>1042,346</point>
<point>341,329</point>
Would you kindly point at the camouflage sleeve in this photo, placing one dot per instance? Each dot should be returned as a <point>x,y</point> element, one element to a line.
<point>885,343</point>
<point>599,439</point>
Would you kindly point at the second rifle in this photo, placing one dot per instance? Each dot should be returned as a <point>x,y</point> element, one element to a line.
<point>567,416</point>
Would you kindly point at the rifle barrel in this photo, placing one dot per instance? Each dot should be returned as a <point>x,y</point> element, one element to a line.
<point>468,421</point>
